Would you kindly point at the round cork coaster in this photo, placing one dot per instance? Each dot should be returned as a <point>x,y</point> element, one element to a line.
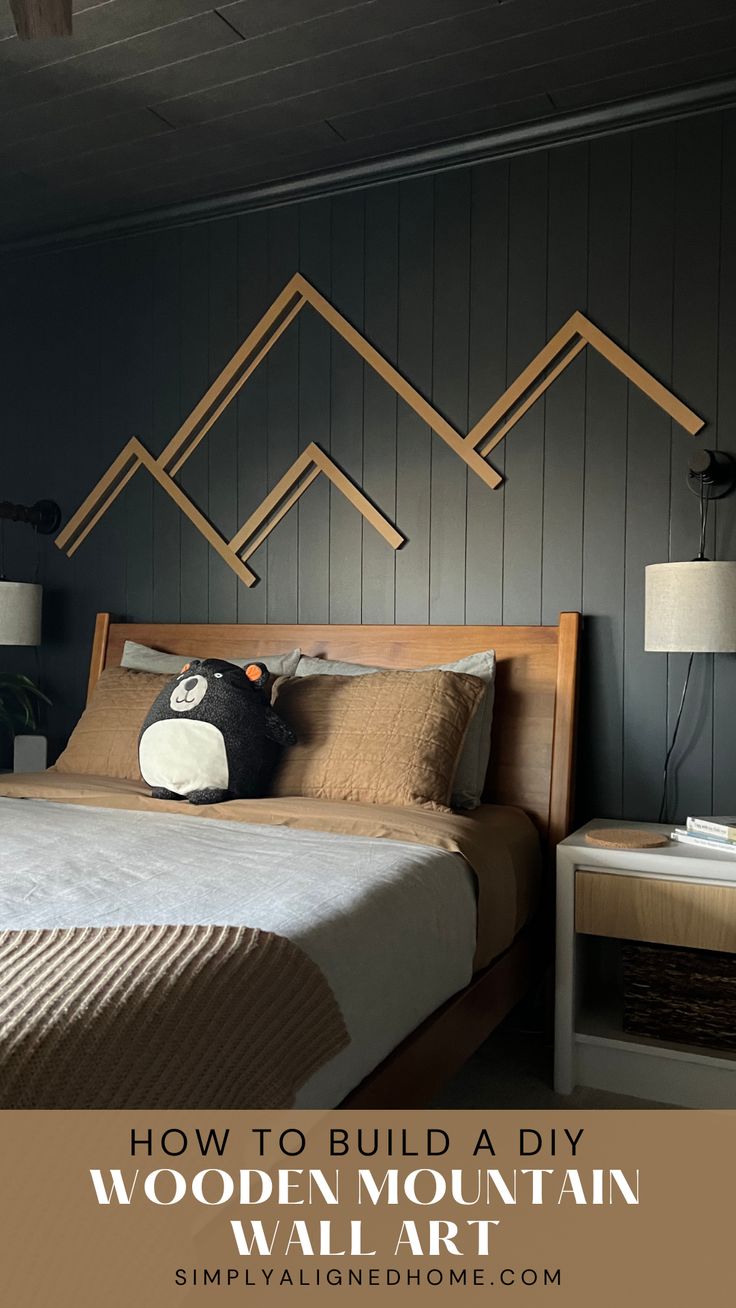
<point>626,838</point>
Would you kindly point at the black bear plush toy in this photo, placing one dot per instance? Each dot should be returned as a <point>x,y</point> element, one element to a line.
<point>211,734</point>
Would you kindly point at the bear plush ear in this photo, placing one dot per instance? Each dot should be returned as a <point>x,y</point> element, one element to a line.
<point>257,674</point>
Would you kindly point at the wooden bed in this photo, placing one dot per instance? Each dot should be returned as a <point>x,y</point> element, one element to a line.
<point>532,757</point>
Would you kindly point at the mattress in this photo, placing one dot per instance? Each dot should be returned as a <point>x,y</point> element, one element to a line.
<point>391,924</point>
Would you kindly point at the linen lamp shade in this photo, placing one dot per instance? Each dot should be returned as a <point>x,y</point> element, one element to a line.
<point>690,607</point>
<point>20,613</point>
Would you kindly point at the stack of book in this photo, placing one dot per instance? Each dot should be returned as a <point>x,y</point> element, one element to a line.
<point>709,833</point>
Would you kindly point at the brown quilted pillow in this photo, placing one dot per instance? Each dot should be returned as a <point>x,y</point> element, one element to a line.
<point>385,738</point>
<point>104,742</point>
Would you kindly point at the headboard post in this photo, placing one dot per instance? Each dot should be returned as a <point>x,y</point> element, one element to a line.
<point>98,657</point>
<point>561,795</point>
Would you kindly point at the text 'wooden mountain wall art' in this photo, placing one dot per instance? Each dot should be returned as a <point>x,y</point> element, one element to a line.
<point>472,448</point>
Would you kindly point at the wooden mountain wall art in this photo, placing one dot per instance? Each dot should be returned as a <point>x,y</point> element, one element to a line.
<point>473,448</point>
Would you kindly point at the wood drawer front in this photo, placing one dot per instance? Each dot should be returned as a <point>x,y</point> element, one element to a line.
<point>663,912</point>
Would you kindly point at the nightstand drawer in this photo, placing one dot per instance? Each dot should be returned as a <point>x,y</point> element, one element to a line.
<point>664,912</point>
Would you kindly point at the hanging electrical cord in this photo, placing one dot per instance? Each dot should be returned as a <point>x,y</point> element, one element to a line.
<point>663,806</point>
<point>703,500</point>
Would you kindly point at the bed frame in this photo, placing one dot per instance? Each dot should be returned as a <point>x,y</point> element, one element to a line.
<point>532,759</point>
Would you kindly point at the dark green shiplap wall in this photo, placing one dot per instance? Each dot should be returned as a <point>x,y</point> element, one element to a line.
<point>458,278</point>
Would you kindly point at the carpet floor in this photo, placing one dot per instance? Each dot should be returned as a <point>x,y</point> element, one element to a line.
<point>513,1069</point>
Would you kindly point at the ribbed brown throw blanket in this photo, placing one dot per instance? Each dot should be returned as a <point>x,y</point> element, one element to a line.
<point>160,1017</point>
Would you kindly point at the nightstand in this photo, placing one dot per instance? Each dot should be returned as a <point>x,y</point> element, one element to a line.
<point>675,895</point>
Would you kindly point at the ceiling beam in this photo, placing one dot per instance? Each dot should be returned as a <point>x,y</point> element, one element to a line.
<point>36,19</point>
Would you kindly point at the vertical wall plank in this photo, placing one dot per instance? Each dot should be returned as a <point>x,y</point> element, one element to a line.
<point>346,531</point>
<point>380,402</point>
<point>489,272</point>
<point>527,333</point>
<point>252,405</point>
<point>194,379</point>
<point>695,374</point>
<point>76,416</point>
<point>448,504</point>
<point>315,231</point>
<point>724,672</point>
<point>283,419</point>
<point>564,437</point>
<point>222,439</point>
<point>647,478</point>
<point>413,437</point>
<point>16,560</point>
<point>47,408</point>
<point>600,749</point>
<point>108,402</point>
<point>165,419</point>
<point>134,327</point>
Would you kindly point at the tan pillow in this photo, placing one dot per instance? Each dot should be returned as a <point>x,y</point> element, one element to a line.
<point>104,742</point>
<point>386,738</point>
<point>470,778</point>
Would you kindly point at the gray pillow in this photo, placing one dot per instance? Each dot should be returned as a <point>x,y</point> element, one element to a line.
<point>141,658</point>
<point>472,766</point>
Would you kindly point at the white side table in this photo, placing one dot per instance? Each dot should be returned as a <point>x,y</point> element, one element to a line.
<point>678,895</point>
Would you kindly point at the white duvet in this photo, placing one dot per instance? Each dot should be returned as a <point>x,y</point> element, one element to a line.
<point>391,924</point>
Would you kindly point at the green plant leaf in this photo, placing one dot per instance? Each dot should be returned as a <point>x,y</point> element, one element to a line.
<point>17,707</point>
<point>18,681</point>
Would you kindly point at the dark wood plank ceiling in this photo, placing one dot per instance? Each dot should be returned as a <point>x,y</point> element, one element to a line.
<point>155,102</point>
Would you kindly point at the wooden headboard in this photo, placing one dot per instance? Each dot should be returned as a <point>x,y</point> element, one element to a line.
<point>533,735</point>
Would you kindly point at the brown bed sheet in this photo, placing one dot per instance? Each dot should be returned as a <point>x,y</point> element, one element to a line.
<point>500,843</point>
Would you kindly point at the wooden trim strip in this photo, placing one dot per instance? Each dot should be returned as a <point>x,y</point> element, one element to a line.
<point>264,514</point>
<point>356,496</point>
<point>678,411</point>
<point>577,324</point>
<point>235,386</point>
<point>523,392</point>
<point>532,398</point>
<point>274,311</point>
<point>97,499</point>
<point>403,388</point>
<point>134,450</point>
<point>268,506</point>
<point>522,383</point>
<point>274,519</point>
<point>195,516</point>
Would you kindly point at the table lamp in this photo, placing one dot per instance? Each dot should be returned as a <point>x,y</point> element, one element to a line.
<point>20,613</point>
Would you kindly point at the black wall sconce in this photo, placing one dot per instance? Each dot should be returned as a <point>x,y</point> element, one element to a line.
<point>712,474</point>
<point>44,516</point>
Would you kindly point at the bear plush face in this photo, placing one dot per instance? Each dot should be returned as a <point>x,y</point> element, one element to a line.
<point>214,680</point>
<point>188,692</point>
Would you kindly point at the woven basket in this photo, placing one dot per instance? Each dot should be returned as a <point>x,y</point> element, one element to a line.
<point>683,996</point>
